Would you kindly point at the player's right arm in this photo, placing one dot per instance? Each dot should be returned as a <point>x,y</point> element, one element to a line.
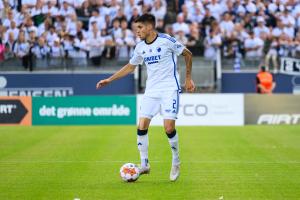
<point>127,69</point>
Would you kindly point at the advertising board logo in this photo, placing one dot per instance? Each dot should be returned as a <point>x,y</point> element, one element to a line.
<point>15,110</point>
<point>279,119</point>
<point>65,112</point>
<point>290,66</point>
<point>34,91</point>
<point>194,109</point>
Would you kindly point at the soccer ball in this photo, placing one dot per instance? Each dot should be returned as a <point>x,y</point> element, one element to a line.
<point>129,172</point>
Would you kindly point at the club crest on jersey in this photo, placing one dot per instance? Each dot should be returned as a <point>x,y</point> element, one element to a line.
<point>178,46</point>
<point>158,49</point>
<point>150,50</point>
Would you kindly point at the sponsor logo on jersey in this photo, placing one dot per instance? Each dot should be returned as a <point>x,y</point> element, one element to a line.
<point>152,59</point>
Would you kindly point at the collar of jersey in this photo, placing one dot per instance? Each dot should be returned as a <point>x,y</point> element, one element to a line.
<point>152,40</point>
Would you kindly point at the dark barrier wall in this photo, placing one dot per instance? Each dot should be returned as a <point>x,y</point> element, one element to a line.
<point>245,83</point>
<point>62,84</point>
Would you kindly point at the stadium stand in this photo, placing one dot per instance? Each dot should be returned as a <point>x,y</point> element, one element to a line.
<point>45,34</point>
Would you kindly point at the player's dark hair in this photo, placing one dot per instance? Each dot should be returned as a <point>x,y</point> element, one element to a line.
<point>146,18</point>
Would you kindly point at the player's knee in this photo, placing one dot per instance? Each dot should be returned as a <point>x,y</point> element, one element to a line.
<point>169,128</point>
<point>143,125</point>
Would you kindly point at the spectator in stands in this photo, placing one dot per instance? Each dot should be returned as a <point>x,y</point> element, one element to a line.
<point>96,17</point>
<point>13,28</point>
<point>2,50</point>
<point>126,42</point>
<point>7,21</point>
<point>116,30</point>
<point>56,54</point>
<point>29,26</point>
<point>297,46</point>
<point>261,28</point>
<point>41,52</point>
<point>160,25</point>
<point>169,29</point>
<point>51,35</point>
<point>56,50</point>
<point>227,26</point>
<point>32,40</point>
<point>72,24</point>
<point>81,50</point>
<point>248,22</point>
<point>275,24</point>
<point>68,44</point>
<point>21,16</point>
<point>212,44</point>
<point>195,42</point>
<point>286,45</point>
<point>29,3</point>
<point>134,16</point>
<point>9,46</point>
<point>180,37</point>
<point>159,10</point>
<point>288,22</point>
<point>120,15</point>
<point>265,83</point>
<point>272,54</point>
<point>253,47</point>
<point>130,8</point>
<point>21,50</point>
<point>37,13</point>
<point>194,7</point>
<point>66,10</point>
<point>207,22</point>
<point>2,9</point>
<point>95,43</point>
<point>180,25</point>
<point>196,16</point>
<point>85,11</point>
<point>279,29</point>
<point>49,9</point>
<point>215,9</point>
<point>250,6</point>
<point>112,9</point>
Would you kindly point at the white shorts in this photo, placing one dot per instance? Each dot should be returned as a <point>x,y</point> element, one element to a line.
<point>166,102</point>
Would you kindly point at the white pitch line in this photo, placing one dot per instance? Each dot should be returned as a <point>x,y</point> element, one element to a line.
<point>152,161</point>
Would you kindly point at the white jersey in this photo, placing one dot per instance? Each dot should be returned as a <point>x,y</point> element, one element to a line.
<point>160,60</point>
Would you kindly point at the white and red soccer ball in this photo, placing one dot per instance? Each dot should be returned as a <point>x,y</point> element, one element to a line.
<point>129,172</point>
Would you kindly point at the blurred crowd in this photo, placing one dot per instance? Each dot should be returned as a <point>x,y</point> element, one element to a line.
<point>93,29</point>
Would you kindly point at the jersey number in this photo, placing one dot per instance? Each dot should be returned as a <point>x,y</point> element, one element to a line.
<point>174,103</point>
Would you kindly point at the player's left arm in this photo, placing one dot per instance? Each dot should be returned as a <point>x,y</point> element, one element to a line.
<point>189,83</point>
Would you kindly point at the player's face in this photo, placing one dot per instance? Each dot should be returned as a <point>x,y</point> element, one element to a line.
<point>142,30</point>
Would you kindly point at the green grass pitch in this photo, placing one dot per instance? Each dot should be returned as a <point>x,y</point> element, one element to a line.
<point>234,163</point>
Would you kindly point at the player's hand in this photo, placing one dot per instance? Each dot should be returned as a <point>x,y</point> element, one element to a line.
<point>189,85</point>
<point>102,83</point>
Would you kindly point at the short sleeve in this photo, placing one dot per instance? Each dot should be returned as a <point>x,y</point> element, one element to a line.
<point>136,58</point>
<point>176,46</point>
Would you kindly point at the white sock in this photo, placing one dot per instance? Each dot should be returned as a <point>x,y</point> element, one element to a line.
<point>173,141</point>
<point>143,143</point>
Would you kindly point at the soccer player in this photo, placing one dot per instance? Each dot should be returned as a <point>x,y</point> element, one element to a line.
<point>158,52</point>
